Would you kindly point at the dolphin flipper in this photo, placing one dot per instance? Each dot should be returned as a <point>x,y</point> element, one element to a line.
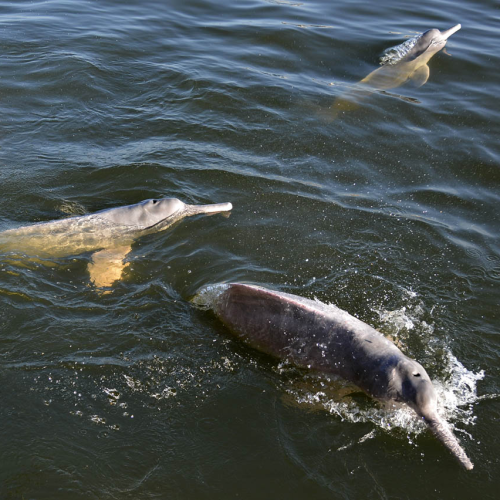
<point>420,76</point>
<point>107,265</point>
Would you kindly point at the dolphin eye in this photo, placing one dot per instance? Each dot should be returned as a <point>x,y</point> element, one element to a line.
<point>155,201</point>
<point>416,374</point>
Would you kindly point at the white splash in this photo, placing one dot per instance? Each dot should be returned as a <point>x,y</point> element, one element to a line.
<point>207,295</point>
<point>457,391</point>
<point>394,54</point>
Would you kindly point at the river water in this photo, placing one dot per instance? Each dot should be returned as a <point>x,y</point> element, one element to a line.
<point>389,211</point>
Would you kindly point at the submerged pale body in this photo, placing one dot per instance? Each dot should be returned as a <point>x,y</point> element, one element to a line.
<point>325,338</point>
<point>407,61</point>
<point>108,233</point>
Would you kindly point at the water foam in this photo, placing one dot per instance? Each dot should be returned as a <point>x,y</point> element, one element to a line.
<point>456,388</point>
<point>207,295</point>
<point>394,54</point>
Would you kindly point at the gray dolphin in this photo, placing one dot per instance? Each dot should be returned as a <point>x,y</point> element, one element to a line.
<point>404,62</point>
<point>108,233</point>
<point>325,338</point>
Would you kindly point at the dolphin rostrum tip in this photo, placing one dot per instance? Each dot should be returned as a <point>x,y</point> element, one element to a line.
<point>210,209</point>
<point>446,34</point>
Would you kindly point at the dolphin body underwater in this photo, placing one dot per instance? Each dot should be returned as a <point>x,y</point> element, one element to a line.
<point>404,62</point>
<point>109,234</point>
<point>311,334</point>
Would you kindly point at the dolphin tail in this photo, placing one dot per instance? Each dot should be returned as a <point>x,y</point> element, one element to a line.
<point>443,432</point>
<point>208,209</point>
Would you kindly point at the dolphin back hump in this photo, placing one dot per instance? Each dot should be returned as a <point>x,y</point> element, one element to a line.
<point>310,334</point>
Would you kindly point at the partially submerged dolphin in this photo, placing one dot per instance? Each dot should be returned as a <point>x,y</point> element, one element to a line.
<point>399,64</point>
<point>108,233</point>
<point>325,338</point>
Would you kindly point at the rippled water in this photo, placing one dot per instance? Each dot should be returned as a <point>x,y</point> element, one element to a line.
<point>388,211</point>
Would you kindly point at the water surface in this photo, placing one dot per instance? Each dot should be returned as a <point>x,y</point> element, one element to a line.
<point>390,212</point>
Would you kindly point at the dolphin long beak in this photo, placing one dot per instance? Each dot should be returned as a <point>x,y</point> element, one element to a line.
<point>209,209</point>
<point>442,431</point>
<point>446,34</point>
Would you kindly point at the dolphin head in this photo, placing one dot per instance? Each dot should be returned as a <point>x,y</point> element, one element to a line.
<point>415,388</point>
<point>145,214</point>
<point>433,41</point>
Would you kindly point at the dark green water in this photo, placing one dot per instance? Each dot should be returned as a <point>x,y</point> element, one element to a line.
<point>390,212</point>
